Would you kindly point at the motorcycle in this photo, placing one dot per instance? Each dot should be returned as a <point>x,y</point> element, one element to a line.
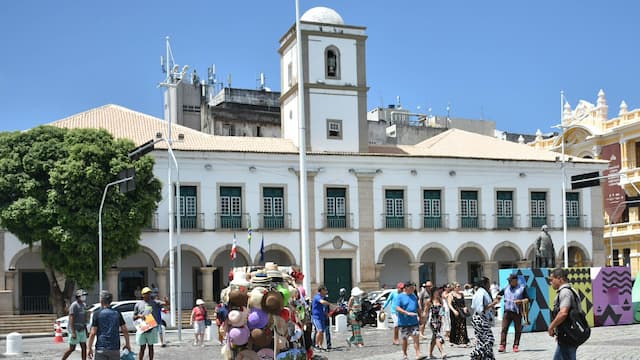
<point>369,313</point>
<point>341,308</point>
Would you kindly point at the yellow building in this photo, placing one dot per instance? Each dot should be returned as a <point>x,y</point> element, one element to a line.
<point>590,133</point>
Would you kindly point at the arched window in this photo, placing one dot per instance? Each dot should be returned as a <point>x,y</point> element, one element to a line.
<point>332,63</point>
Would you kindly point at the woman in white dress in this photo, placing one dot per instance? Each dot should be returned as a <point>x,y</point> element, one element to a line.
<point>446,318</point>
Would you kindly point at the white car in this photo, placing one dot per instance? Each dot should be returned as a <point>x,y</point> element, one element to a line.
<point>123,307</point>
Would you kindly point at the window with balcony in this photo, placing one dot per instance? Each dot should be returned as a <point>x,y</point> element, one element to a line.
<point>336,215</point>
<point>273,208</point>
<point>394,209</point>
<point>188,207</point>
<point>538,209</point>
<point>573,209</point>
<point>504,209</point>
<point>230,207</point>
<point>469,209</point>
<point>431,209</point>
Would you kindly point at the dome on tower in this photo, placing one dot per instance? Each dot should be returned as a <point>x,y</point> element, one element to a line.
<point>322,15</point>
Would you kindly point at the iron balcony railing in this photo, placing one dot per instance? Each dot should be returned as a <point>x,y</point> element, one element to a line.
<point>337,221</point>
<point>506,222</point>
<point>536,222</point>
<point>396,221</point>
<point>271,222</point>
<point>233,222</point>
<point>435,222</point>
<point>471,222</point>
<point>579,221</point>
<point>191,222</point>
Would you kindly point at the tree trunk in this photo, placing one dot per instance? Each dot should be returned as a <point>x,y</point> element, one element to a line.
<point>59,296</point>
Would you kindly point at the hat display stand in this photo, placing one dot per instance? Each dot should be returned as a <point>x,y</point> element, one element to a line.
<point>264,320</point>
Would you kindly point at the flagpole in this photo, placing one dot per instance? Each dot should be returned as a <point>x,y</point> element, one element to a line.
<point>302,150</point>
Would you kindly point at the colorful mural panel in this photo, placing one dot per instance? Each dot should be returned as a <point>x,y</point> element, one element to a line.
<point>580,280</point>
<point>612,296</point>
<point>538,292</point>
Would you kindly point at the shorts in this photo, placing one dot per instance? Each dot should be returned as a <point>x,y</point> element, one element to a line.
<point>198,326</point>
<point>319,324</point>
<point>394,317</point>
<point>409,331</point>
<point>81,337</point>
<point>147,338</point>
<point>107,355</point>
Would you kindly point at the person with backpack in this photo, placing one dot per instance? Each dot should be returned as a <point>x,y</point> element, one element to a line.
<point>569,325</point>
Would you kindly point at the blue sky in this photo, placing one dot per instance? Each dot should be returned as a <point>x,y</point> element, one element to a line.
<point>501,60</point>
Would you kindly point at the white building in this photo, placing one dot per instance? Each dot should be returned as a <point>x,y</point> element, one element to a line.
<point>451,208</point>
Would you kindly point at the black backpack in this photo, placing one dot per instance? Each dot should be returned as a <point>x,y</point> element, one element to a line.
<point>575,329</point>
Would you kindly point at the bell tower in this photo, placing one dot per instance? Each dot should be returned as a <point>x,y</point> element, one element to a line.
<point>335,83</point>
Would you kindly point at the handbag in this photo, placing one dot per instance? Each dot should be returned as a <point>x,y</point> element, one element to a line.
<point>575,329</point>
<point>207,322</point>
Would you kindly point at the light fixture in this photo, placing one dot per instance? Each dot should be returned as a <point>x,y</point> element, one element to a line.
<point>158,135</point>
<point>352,171</point>
<point>180,137</point>
<point>208,166</point>
<point>522,174</point>
<point>252,168</point>
<point>452,173</point>
<point>379,171</point>
<point>414,172</point>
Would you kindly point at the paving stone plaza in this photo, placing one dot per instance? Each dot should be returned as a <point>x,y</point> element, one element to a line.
<point>616,342</point>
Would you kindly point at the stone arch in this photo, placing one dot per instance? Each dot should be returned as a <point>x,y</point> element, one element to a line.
<point>277,247</point>
<point>471,244</point>
<point>191,249</point>
<point>227,249</point>
<point>396,246</point>
<point>578,245</point>
<point>435,245</point>
<point>21,253</point>
<point>152,254</point>
<point>508,244</point>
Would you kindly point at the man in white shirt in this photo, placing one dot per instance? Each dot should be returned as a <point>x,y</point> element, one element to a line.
<point>482,307</point>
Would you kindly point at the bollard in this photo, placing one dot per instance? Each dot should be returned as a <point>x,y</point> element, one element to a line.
<point>341,323</point>
<point>14,344</point>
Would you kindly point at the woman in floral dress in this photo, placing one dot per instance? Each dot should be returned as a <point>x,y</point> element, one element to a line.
<point>435,313</point>
<point>355,307</point>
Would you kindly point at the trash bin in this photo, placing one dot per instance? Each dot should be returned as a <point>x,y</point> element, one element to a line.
<point>14,344</point>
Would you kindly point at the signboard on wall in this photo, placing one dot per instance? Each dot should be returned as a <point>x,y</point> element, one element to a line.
<point>612,193</point>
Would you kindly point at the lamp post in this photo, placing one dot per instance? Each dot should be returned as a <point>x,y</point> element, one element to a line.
<point>104,195</point>
<point>564,182</point>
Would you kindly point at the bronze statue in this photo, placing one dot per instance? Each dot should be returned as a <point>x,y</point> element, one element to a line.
<point>545,256</point>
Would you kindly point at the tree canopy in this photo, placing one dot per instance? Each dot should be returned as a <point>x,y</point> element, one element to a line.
<point>51,185</point>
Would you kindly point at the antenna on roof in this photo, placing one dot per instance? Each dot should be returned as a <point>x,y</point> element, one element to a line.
<point>229,81</point>
<point>262,81</point>
<point>211,75</point>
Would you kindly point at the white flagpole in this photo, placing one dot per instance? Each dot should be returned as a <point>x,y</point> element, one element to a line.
<point>302,149</point>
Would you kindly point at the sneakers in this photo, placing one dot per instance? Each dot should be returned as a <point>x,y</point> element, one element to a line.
<point>515,348</point>
<point>501,348</point>
<point>348,342</point>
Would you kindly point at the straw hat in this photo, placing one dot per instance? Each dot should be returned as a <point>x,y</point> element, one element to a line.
<point>261,338</point>
<point>272,302</point>
<point>247,355</point>
<point>255,297</point>
<point>237,318</point>
<point>382,316</point>
<point>238,298</point>
<point>356,291</point>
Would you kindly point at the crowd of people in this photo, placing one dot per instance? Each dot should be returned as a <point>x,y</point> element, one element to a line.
<point>442,310</point>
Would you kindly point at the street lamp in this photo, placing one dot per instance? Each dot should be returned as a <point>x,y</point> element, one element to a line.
<point>564,183</point>
<point>104,195</point>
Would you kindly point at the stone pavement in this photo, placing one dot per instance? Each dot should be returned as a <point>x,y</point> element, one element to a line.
<point>610,343</point>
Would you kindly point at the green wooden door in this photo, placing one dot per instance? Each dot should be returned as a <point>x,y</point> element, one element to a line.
<point>337,274</point>
<point>469,209</point>
<point>188,207</point>
<point>504,209</point>
<point>273,208</point>
<point>336,208</point>
<point>230,207</point>
<point>394,207</point>
<point>573,209</point>
<point>538,209</point>
<point>432,218</point>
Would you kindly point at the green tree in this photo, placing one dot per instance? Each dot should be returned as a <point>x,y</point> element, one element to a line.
<point>51,185</point>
